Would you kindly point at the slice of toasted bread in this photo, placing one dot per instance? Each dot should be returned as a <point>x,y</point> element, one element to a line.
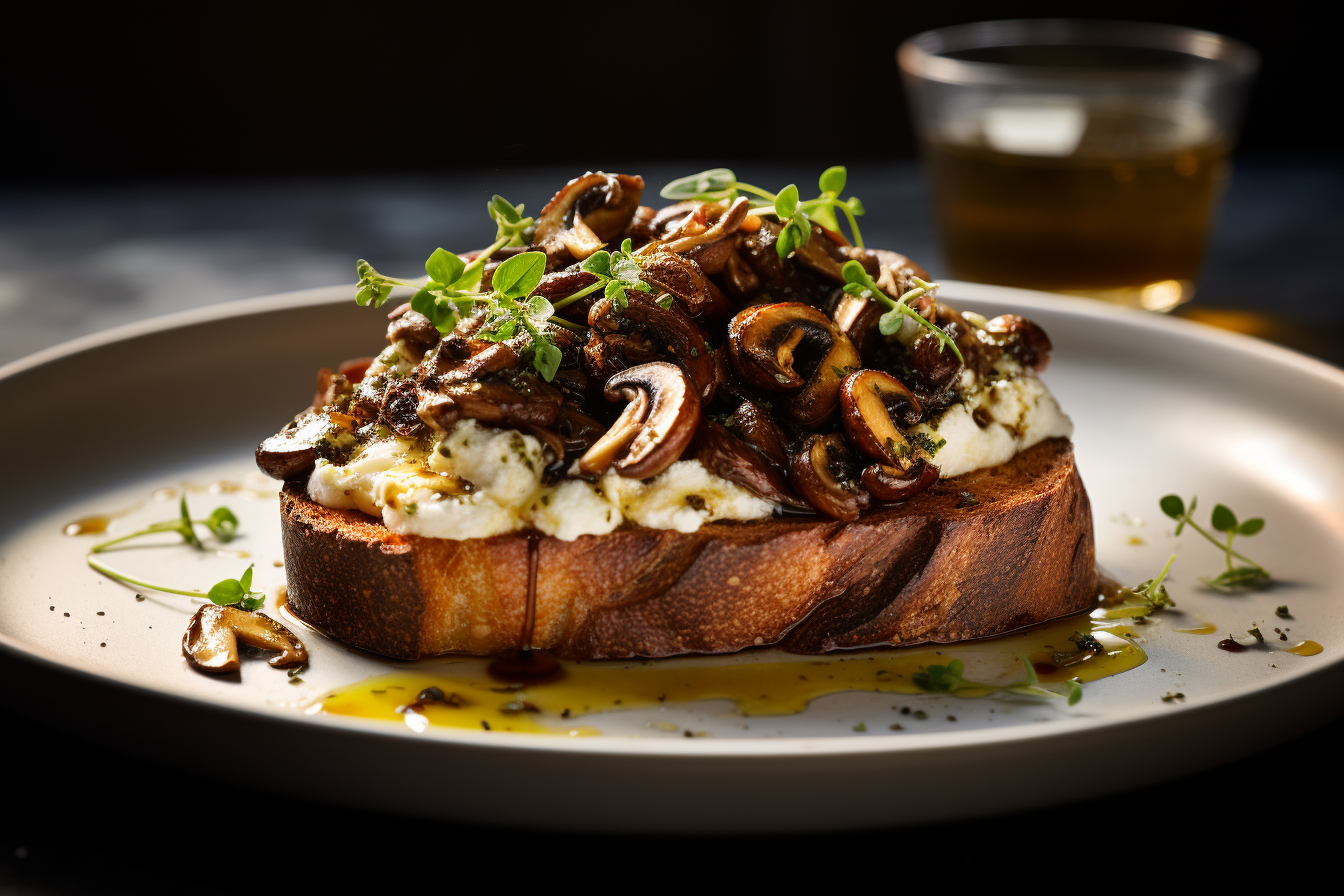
<point>941,567</point>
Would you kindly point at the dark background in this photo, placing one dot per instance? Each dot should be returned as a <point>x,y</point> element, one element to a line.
<point>225,90</point>
<point>159,159</point>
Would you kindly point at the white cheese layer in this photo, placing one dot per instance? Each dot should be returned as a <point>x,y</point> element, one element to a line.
<point>995,419</point>
<point>476,482</point>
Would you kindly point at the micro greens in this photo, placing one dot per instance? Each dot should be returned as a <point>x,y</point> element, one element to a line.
<point>615,272</point>
<point>1223,520</point>
<point>453,290</point>
<point>721,184</point>
<point>1145,598</point>
<point>221,522</point>
<point>948,679</point>
<point>859,283</point>
<point>230,592</point>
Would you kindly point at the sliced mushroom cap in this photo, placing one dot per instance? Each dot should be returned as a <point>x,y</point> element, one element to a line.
<point>753,424</point>
<point>825,472</point>
<point>683,278</point>
<point>644,331</point>
<point>728,457</point>
<point>487,357</point>
<point>738,277</point>
<point>508,398</point>
<point>292,452</point>
<point>400,410</point>
<point>659,421</point>
<point>1021,339</point>
<point>767,344</point>
<point>587,213</point>
<point>724,228</point>
<point>413,328</point>
<point>857,317</point>
<point>871,401</point>
<point>823,254</point>
<point>895,484</point>
<point>211,641</point>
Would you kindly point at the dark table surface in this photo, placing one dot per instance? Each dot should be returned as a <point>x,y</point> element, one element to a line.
<point>76,817</point>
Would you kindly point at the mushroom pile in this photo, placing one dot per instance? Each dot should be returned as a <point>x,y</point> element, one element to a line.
<point>763,368</point>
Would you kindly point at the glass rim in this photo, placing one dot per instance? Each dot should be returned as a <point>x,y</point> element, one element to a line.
<point>922,55</point>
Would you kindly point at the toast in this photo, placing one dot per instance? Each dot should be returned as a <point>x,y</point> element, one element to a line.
<point>972,556</point>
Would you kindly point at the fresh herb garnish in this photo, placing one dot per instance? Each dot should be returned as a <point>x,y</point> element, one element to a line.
<point>948,679</point>
<point>237,592</point>
<point>230,592</point>
<point>453,290</point>
<point>721,184</point>
<point>221,522</point>
<point>1151,592</point>
<point>1223,520</point>
<point>859,283</point>
<point>615,272</point>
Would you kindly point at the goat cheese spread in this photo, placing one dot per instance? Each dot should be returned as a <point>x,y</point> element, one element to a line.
<point>477,481</point>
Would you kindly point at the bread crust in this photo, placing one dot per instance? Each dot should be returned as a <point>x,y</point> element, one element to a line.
<point>936,568</point>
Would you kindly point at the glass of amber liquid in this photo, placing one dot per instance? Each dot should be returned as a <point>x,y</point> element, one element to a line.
<point>1081,157</point>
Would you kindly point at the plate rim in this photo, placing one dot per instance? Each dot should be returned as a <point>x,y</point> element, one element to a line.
<point>905,744</point>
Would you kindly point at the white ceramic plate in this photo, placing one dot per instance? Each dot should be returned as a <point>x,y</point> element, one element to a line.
<point>1160,405</point>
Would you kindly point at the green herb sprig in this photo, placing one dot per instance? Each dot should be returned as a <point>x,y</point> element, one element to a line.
<point>228,593</point>
<point>453,290</point>
<point>1144,599</point>
<point>721,184</point>
<point>949,680</point>
<point>221,522</point>
<point>615,272</point>
<point>1223,520</point>
<point>859,283</point>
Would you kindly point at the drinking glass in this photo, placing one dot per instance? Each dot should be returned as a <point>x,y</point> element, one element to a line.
<point>1083,157</point>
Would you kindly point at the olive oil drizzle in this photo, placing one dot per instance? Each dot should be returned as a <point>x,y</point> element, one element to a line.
<point>496,697</point>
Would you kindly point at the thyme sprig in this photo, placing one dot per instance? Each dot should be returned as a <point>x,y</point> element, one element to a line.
<point>859,283</point>
<point>721,184</point>
<point>949,680</point>
<point>1223,520</point>
<point>221,522</point>
<point>227,593</point>
<point>615,272</point>
<point>1144,599</point>
<point>453,290</point>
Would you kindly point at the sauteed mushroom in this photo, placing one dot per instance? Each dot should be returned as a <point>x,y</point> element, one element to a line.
<point>825,473</point>
<point>753,424</point>
<point>588,212</point>
<point>724,227</point>
<point>645,331</point>
<point>728,457</point>
<point>683,278</point>
<point>766,342</point>
<point>659,421</point>
<point>211,641</point>
<point>507,398</point>
<point>413,328</point>
<point>1022,339</point>
<point>870,400</point>
<point>888,483</point>
<point>292,451</point>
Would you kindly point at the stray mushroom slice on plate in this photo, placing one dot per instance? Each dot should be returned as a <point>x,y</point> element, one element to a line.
<point>825,472</point>
<point>871,403</point>
<point>660,419</point>
<point>211,641</point>
<point>792,347</point>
